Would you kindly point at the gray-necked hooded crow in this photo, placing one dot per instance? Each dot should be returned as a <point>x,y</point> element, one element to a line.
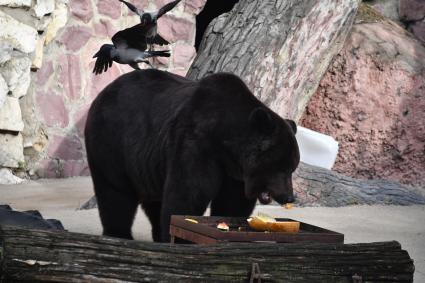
<point>129,47</point>
<point>149,20</point>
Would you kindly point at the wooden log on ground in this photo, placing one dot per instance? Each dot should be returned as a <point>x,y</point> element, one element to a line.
<point>280,48</point>
<point>59,256</point>
<point>315,186</point>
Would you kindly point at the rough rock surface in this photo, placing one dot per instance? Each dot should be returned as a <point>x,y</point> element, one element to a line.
<point>10,115</point>
<point>372,100</point>
<point>11,150</point>
<point>408,13</point>
<point>388,8</point>
<point>18,35</point>
<point>5,52</point>
<point>3,91</point>
<point>7,177</point>
<point>15,3</point>
<point>16,73</point>
<point>43,7</point>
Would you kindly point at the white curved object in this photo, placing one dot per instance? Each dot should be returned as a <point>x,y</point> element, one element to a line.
<point>316,148</point>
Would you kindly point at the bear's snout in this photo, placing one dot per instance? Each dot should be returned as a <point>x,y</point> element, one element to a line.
<point>283,199</point>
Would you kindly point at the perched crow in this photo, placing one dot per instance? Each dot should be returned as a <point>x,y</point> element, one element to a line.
<point>149,20</point>
<point>129,47</point>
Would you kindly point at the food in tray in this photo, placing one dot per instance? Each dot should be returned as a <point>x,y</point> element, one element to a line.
<point>191,220</point>
<point>223,226</point>
<point>263,222</point>
<point>288,205</point>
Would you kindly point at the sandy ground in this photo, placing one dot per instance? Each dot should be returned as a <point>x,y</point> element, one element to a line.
<point>59,199</point>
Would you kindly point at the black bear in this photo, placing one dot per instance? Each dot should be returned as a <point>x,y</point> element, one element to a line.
<point>174,146</point>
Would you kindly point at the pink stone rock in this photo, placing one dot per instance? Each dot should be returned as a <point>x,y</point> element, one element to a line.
<point>44,73</point>
<point>110,8</point>
<point>99,82</point>
<point>173,28</point>
<point>80,118</point>
<point>81,9</point>
<point>194,6</point>
<point>140,4</point>
<point>92,46</point>
<point>372,102</point>
<point>70,75</point>
<point>73,168</point>
<point>161,61</point>
<point>412,10</point>
<point>75,37</point>
<point>52,109</point>
<point>65,147</point>
<point>180,72</point>
<point>48,168</point>
<point>183,55</point>
<point>126,68</point>
<point>104,28</point>
<point>418,29</point>
<point>161,3</point>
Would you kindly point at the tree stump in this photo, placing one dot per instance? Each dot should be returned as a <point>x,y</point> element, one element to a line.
<point>59,256</point>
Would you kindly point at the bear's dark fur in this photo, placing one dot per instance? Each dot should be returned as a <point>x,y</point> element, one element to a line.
<point>174,145</point>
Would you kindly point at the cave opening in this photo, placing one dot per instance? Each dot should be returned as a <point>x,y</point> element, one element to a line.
<point>212,9</point>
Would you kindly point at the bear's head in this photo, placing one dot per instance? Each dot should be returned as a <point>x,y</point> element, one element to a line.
<point>270,157</point>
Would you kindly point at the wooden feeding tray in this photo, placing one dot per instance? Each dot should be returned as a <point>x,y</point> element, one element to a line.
<point>206,232</point>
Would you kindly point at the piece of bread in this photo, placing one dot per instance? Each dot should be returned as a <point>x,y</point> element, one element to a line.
<point>258,224</point>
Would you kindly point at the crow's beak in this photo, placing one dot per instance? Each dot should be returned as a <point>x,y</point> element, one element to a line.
<point>95,55</point>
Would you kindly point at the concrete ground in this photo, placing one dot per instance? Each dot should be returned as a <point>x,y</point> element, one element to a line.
<point>59,199</point>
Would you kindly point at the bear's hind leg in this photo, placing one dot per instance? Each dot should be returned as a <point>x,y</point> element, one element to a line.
<point>153,212</point>
<point>116,210</point>
<point>231,200</point>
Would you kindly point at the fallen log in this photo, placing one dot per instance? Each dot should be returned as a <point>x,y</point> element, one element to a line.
<point>315,186</point>
<point>59,256</point>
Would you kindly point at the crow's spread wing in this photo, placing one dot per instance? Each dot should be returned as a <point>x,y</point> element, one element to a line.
<point>132,7</point>
<point>133,37</point>
<point>166,8</point>
<point>104,60</point>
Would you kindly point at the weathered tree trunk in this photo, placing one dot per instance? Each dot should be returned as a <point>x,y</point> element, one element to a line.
<point>280,48</point>
<point>316,186</point>
<point>47,256</point>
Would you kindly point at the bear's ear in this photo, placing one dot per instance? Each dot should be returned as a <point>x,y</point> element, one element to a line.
<point>261,120</point>
<point>292,124</point>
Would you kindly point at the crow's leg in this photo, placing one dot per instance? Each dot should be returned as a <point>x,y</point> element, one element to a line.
<point>134,66</point>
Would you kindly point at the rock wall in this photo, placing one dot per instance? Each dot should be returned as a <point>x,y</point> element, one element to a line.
<point>372,100</point>
<point>46,82</point>
<point>21,47</point>
<point>408,13</point>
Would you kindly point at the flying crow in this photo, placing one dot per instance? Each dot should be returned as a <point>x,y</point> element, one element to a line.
<point>149,20</point>
<point>129,47</point>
